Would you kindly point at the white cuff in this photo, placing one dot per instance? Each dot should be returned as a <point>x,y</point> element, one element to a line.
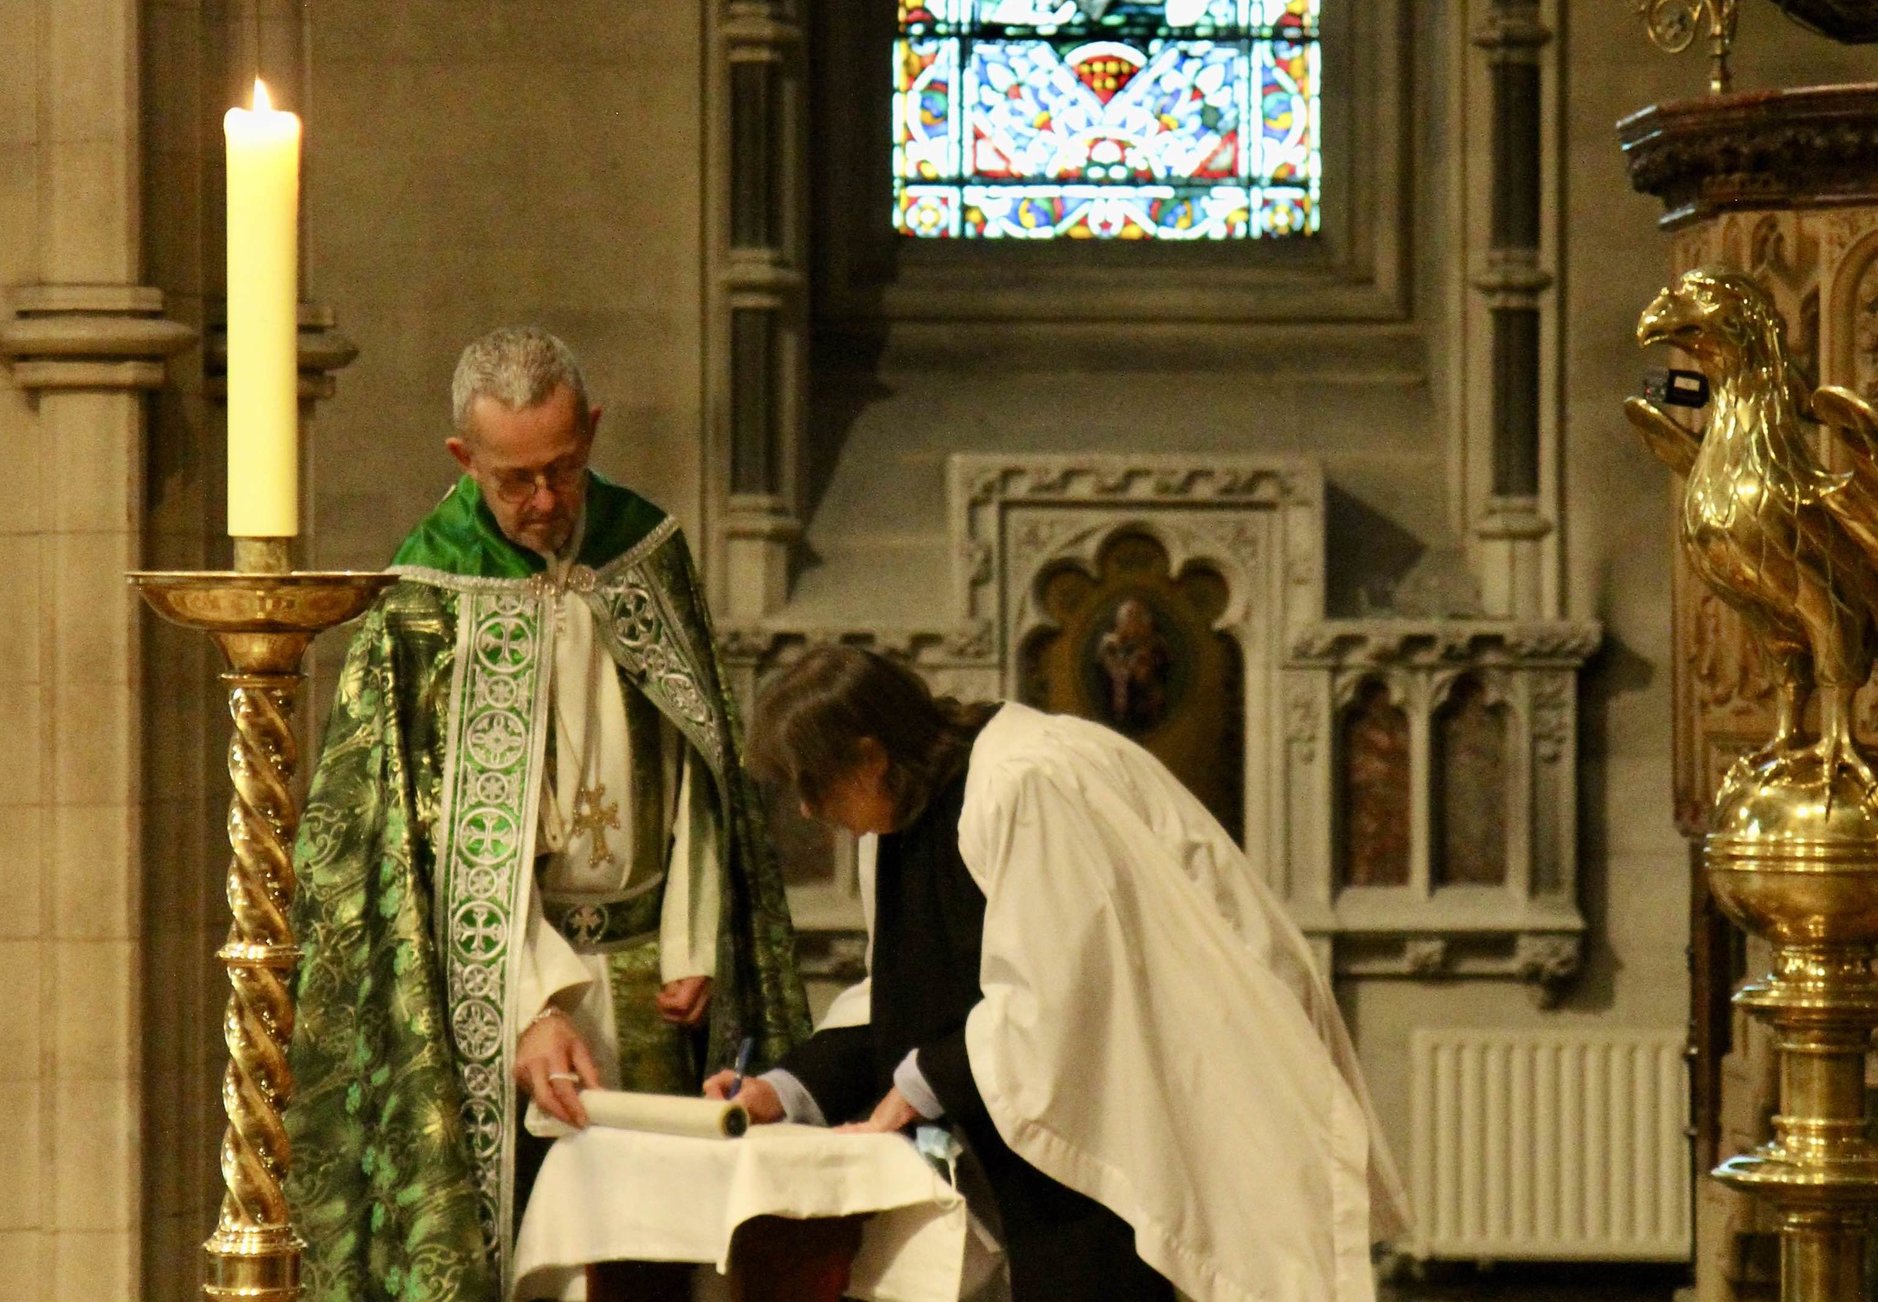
<point>551,971</point>
<point>688,920</point>
<point>911,1082</point>
<point>798,1104</point>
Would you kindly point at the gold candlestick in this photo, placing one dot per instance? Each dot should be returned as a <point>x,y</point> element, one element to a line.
<point>262,616</point>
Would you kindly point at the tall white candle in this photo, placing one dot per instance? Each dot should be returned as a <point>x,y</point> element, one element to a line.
<point>263,295</point>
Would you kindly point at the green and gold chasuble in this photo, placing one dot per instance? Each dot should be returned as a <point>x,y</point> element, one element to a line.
<point>413,859</point>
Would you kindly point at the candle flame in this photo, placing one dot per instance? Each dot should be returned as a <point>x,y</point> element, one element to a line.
<point>262,104</point>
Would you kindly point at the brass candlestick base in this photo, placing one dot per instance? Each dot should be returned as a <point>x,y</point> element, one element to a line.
<point>262,619</point>
<point>1793,856</point>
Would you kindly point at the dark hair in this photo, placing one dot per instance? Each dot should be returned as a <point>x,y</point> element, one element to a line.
<point>809,723</point>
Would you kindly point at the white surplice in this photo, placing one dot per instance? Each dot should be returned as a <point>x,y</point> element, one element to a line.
<point>1153,1032</point>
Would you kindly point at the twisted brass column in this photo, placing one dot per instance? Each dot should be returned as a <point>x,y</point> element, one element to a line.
<point>262,617</point>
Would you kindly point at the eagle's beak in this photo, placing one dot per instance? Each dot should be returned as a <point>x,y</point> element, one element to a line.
<point>1661,320</point>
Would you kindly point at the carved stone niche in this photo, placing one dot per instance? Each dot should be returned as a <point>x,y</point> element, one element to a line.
<point>1187,574</point>
<point>1236,544</point>
<point>1431,772</point>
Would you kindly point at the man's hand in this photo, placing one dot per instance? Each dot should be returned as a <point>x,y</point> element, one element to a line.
<point>553,1065</point>
<point>683,1002</point>
<point>891,1114</point>
<point>758,1096</point>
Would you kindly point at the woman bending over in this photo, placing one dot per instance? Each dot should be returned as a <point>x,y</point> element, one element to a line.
<point>1074,968</point>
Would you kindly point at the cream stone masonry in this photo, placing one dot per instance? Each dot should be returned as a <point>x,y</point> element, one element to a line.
<point>84,341</point>
<point>1505,340</point>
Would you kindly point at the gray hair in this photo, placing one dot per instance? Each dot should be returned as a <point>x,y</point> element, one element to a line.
<point>518,366</point>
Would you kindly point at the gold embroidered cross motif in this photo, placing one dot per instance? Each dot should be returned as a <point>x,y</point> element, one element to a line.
<point>592,816</point>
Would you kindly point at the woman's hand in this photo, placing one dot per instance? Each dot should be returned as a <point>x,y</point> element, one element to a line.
<point>891,1114</point>
<point>758,1096</point>
<point>684,1002</point>
<point>553,1065</point>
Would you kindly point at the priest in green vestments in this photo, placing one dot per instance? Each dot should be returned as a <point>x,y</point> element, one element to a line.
<point>530,861</point>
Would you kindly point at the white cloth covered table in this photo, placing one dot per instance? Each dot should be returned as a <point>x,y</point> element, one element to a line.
<point>609,1195</point>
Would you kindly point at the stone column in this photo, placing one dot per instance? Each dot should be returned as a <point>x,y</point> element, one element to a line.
<point>1517,514</point>
<point>82,339</point>
<point>758,305</point>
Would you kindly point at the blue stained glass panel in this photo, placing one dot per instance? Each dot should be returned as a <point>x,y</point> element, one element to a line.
<point>1107,119</point>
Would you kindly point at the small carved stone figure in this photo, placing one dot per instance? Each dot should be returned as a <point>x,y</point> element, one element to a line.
<point>1135,663</point>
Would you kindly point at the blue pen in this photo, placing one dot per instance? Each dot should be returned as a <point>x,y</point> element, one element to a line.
<point>743,1065</point>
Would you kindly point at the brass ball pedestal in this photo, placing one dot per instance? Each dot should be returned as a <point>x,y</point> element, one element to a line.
<point>1792,856</point>
<point>263,617</point>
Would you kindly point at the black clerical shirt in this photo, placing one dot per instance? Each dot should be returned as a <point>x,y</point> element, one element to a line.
<point>929,922</point>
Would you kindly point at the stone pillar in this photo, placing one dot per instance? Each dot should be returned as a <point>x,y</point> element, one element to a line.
<point>82,339</point>
<point>1515,515</point>
<point>758,305</point>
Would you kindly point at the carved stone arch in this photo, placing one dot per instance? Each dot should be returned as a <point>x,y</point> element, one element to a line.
<point>1443,685</point>
<point>1044,550</point>
<point>1125,633</point>
<point>1350,683</point>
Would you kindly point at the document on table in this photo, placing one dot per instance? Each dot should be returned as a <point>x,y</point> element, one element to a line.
<point>663,1114</point>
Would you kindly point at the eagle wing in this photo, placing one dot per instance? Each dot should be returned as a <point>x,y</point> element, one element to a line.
<point>1853,426</point>
<point>1668,441</point>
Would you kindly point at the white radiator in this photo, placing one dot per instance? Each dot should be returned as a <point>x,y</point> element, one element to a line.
<point>1555,1145</point>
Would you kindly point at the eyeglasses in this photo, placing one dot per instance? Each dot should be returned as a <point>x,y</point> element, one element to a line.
<point>516,486</point>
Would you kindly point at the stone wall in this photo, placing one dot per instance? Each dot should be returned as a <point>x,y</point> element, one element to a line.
<point>480,164</point>
<point>85,342</point>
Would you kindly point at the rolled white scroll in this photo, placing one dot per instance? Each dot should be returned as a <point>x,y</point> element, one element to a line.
<point>664,1114</point>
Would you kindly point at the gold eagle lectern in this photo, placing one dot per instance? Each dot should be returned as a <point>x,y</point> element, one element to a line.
<point>1791,541</point>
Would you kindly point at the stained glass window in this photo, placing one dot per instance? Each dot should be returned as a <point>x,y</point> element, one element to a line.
<point>1106,119</point>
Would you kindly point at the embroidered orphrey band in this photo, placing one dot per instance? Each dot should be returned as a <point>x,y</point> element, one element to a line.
<point>493,786</point>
